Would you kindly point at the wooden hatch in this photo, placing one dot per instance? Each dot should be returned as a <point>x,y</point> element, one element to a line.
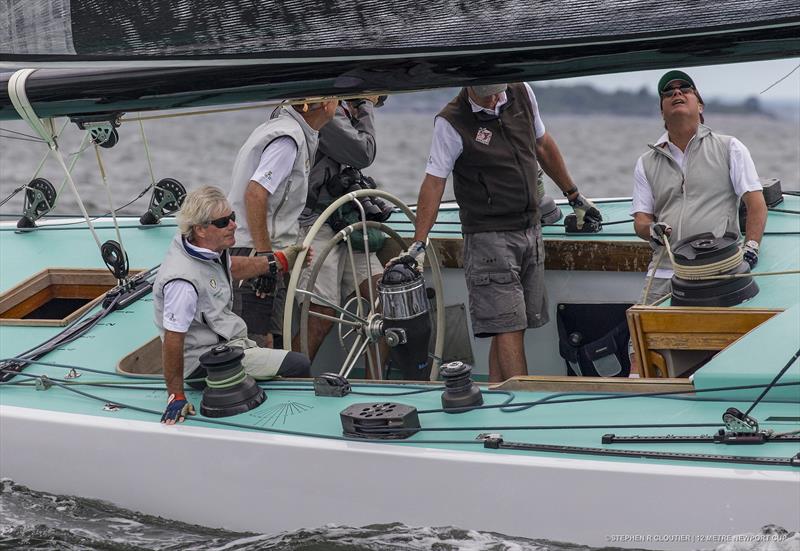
<point>55,296</point>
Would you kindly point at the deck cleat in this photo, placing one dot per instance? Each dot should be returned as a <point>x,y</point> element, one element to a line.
<point>331,384</point>
<point>380,421</point>
<point>43,382</point>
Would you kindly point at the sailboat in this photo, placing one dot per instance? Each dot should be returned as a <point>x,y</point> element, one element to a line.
<point>585,459</point>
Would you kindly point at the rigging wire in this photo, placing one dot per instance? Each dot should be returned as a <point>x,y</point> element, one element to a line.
<point>774,381</point>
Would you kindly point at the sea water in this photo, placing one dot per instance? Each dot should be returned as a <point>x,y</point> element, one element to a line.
<point>37,520</point>
<point>600,152</point>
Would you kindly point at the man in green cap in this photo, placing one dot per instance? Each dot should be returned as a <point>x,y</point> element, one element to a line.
<point>691,181</point>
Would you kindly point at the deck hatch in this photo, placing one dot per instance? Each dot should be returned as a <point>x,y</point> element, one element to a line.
<point>55,296</point>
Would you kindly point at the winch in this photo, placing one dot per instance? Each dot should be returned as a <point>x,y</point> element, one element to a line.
<point>698,259</point>
<point>406,319</point>
<point>230,390</point>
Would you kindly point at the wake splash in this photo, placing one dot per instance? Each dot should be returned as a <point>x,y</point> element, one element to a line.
<point>41,521</point>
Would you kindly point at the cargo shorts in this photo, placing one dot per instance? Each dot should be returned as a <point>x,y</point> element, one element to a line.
<point>505,281</point>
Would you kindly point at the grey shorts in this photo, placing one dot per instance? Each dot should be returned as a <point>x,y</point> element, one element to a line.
<point>505,281</point>
<point>262,315</point>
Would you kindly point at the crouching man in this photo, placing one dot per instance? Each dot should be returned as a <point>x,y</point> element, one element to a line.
<point>193,299</point>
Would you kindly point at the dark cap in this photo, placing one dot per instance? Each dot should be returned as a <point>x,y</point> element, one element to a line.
<point>669,76</point>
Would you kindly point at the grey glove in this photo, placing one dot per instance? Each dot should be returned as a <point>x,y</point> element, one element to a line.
<point>415,254</point>
<point>751,253</point>
<point>658,230</point>
<point>585,211</point>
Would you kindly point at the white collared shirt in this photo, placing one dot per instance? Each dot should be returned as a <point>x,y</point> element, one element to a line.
<point>446,146</point>
<point>742,173</point>
<point>180,296</point>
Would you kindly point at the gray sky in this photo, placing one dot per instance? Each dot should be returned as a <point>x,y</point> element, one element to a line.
<point>733,82</point>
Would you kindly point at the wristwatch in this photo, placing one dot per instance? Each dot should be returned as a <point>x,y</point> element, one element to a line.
<point>271,262</point>
<point>752,244</point>
<point>570,191</point>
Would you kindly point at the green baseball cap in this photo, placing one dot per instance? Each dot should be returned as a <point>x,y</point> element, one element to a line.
<point>669,76</point>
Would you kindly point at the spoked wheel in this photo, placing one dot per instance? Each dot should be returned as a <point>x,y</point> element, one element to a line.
<point>358,322</point>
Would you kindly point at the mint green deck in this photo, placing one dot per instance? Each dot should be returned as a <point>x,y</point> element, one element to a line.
<point>753,360</point>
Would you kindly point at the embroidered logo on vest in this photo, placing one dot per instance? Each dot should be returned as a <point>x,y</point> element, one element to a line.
<point>213,283</point>
<point>483,136</point>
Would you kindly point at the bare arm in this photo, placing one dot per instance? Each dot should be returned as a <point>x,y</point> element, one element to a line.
<point>430,196</point>
<point>549,157</point>
<point>256,200</point>
<point>172,361</point>
<point>756,215</point>
<point>641,224</point>
<point>247,267</point>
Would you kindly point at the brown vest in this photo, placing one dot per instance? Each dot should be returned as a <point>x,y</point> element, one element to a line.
<point>494,178</point>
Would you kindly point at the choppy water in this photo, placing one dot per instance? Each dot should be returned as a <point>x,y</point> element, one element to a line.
<point>35,520</point>
<point>600,152</point>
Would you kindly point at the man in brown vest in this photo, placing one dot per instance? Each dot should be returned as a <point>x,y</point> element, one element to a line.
<point>492,139</point>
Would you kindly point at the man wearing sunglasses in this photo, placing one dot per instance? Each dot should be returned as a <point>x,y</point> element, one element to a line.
<point>193,301</point>
<point>269,189</point>
<point>691,181</point>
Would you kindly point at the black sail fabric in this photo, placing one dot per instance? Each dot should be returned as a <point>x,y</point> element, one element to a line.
<point>152,54</point>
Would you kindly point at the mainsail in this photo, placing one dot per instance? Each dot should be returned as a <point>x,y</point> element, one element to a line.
<point>150,54</point>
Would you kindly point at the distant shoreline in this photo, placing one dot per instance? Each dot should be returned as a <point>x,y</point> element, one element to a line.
<point>584,99</point>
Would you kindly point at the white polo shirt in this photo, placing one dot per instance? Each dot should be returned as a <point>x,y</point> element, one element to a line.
<point>276,163</point>
<point>446,146</point>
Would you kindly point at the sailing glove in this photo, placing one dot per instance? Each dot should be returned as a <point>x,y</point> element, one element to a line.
<point>287,257</point>
<point>585,211</point>
<point>178,407</point>
<point>657,232</point>
<point>415,254</point>
<point>751,253</point>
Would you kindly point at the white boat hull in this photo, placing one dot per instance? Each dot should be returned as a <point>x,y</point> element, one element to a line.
<point>270,483</point>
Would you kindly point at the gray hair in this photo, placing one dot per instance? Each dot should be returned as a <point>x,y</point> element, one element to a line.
<point>199,208</point>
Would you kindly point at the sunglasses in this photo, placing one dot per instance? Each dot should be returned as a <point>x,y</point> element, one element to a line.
<point>223,221</point>
<point>684,88</point>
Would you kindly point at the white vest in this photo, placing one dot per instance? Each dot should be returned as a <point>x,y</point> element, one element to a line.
<point>286,204</point>
<point>699,199</point>
<point>214,321</point>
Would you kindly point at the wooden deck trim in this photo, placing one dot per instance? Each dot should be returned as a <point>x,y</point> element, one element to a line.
<point>545,383</point>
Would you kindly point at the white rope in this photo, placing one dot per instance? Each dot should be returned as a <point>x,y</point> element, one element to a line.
<point>147,152</point>
<point>104,179</point>
<point>19,97</point>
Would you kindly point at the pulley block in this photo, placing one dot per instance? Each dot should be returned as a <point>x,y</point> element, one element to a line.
<point>383,421</point>
<point>102,127</point>
<point>40,198</point>
<point>115,258</point>
<point>167,198</point>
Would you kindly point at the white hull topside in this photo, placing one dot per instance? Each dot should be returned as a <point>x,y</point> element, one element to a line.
<point>269,483</point>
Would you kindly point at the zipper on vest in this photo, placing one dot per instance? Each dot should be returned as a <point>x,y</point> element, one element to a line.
<point>519,165</point>
<point>482,182</point>
<point>284,197</point>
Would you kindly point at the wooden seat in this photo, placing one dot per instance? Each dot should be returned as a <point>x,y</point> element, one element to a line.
<point>655,328</point>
